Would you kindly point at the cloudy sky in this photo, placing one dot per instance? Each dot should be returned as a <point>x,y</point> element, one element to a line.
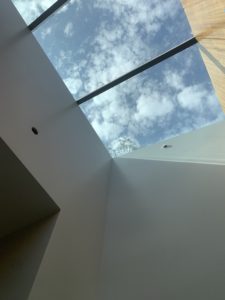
<point>93,42</point>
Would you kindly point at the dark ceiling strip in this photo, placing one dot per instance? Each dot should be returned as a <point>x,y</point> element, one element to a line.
<point>139,70</point>
<point>46,14</point>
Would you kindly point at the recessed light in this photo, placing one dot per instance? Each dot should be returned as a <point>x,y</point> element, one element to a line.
<point>34,130</point>
<point>165,146</point>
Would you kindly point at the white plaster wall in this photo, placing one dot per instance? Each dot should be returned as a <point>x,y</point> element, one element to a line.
<point>205,145</point>
<point>66,158</point>
<point>165,231</point>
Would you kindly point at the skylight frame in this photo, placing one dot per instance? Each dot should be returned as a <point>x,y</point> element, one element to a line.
<point>149,64</point>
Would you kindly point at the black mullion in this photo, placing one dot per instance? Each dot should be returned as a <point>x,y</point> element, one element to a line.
<point>46,14</point>
<point>139,69</point>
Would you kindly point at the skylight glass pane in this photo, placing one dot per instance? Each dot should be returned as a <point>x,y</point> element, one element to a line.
<point>31,9</point>
<point>169,99</point>
<point>90,43</point>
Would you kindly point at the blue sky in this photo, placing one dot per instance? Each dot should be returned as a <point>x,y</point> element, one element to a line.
<point>91,43</point>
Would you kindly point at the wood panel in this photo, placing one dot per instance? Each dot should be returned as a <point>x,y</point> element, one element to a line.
<point>207,20</point>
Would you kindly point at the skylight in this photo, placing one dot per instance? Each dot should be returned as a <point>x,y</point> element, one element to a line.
<point>169,99</point>
<point>94,42</point>
<point>91,43</point>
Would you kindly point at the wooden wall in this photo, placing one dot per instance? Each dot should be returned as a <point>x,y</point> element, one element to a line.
<point>207,20</point>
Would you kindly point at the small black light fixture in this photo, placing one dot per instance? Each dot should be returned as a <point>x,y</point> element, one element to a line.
<point>34,130</point>
<point>166,146</point>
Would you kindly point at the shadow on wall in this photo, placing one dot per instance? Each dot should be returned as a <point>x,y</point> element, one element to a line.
<point>21,254</point>
<point>212,58</point>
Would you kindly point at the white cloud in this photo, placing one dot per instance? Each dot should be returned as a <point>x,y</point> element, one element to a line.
<point>65,7</point>
<point>174,79</point>
<point>108,131</point>
<point>47,31</point>
<point>128,110</point>
<point>119,45</point>
<point>68,30</point>
<point>152,106</point>
<point>73,84</point>
<point>194,97</point>
<point>147,13</point>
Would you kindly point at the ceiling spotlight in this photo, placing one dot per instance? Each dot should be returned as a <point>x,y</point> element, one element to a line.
<point>165,146</point>
<point>34,130</point>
